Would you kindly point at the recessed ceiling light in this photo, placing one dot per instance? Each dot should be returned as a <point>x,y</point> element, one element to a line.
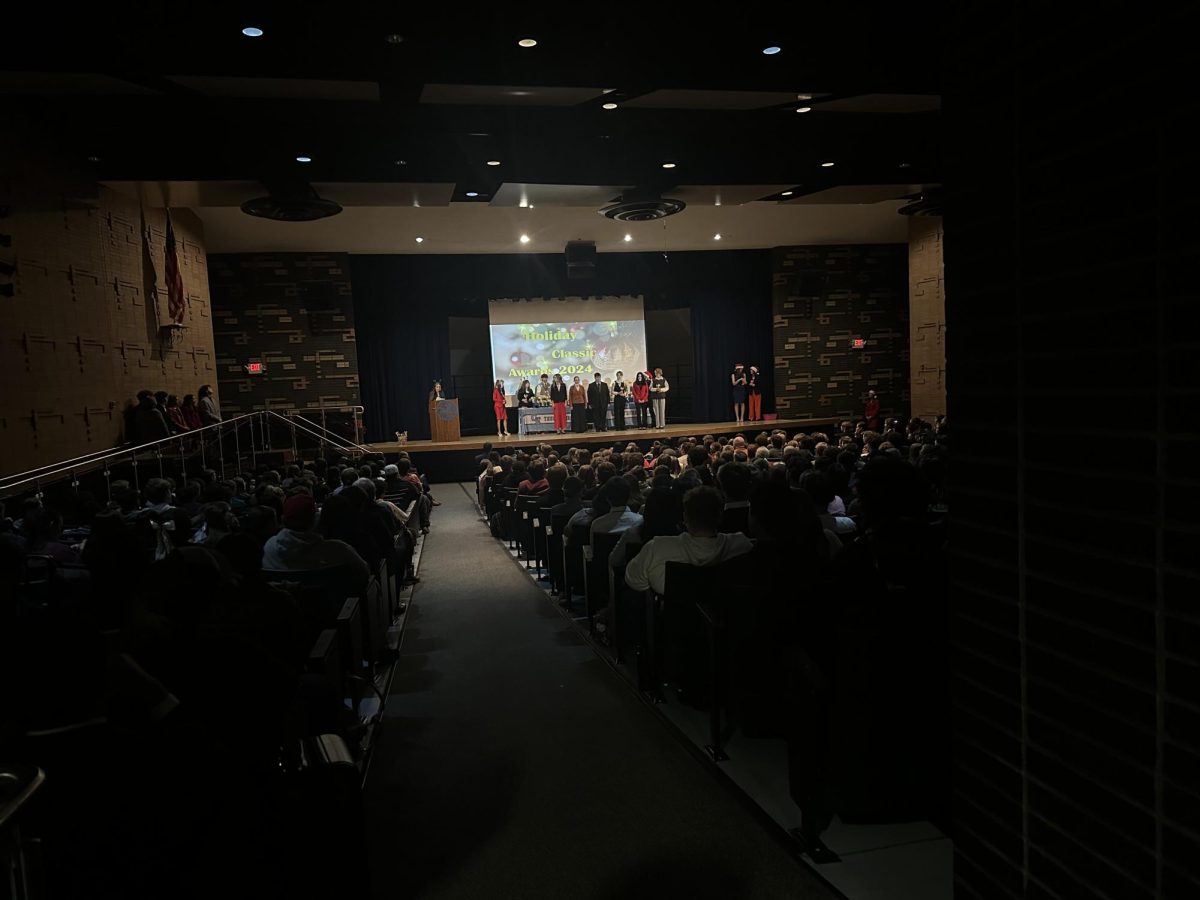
<point>304,159</point>
<point>472,193</point>
<point>770,51</point>
<point>786,194</point>
<point>93,159</point>
<point>493,162</point>
<point>668,165</point>
<point>804,96</point>
<point>905,165</point>
<point>826,165</point>
<point>609,106</point>
<point>524,239</point>
<point>395,39</point>
<point>717,236</point>
<point>420,240</point>
<point>402,162</point>
<point>252,31</point>
<point>523,203</point>
<point>526,42</point>
<point>628,238</point>
<point>804,109</point>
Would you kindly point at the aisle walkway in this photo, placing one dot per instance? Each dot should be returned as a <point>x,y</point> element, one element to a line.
<point>513,763</point>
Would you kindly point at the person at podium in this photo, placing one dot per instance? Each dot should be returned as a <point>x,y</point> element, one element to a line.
<point>436,392</point>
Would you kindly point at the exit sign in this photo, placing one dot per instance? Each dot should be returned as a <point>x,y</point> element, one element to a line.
<point>255,368</point>
<point>858,343</point>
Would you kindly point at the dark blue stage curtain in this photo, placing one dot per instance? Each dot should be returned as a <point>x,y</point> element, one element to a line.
<point>402,305</point>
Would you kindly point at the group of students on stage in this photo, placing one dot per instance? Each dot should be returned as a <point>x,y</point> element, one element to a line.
<point>647,391</point>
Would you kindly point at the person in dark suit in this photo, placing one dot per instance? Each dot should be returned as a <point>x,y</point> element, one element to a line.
<point>620,391</point>
<point>598,398</point>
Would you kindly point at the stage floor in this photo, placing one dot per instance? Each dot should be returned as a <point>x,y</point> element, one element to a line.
<point>695,429</point>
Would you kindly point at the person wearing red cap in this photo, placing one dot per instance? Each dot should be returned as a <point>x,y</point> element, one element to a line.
<point>738,379</point>
<point>755,391</point>
<point>299,547</point>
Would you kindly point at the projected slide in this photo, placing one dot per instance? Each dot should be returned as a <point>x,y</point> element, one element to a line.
<point>584,336</point>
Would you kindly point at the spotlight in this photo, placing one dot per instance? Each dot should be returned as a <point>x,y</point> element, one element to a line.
<point>524,239</point>
<point>472,194</point>
<point>717,236</point>
<point>804,109</point>
<point>303,159</point>
<point>493,162</point>
<point>771,51</point>
<point>826,165</point>
<point>527,42</point>
<point>420,240</point>
<point>608,106</point>
<point>628,238</point>
<point>252,31</point>
<point>524,204</point>
<point>668,165</point>
<point>786,194</point>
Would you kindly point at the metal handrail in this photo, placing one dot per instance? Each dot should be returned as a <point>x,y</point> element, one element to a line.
<point>328,436</point>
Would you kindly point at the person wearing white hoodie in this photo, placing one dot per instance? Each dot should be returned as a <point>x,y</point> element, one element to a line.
<point>702,545</point>
<point>298,547</point>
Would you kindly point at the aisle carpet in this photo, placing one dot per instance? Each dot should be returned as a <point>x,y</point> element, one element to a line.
<point>514,763</point>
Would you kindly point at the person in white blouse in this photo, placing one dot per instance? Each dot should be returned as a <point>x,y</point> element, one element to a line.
<point>702,545</point>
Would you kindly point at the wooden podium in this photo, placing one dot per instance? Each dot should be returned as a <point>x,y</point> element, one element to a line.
<point>443,420</point>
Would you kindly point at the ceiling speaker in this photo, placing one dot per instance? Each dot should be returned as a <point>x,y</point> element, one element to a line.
<point>642,206</point>
<point>290,201</point>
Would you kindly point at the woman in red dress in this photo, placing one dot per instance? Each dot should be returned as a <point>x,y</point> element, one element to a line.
<point>500,403</point>
<point>871,413</point>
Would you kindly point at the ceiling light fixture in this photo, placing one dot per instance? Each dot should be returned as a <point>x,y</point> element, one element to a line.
<point>304,159</point>
<point>524,239</point>
<point>402,162</point>
<point>786,194</point>
<point>826,165</point>
<point>523,203</point>
<point>804,109</point>
<point>628,238</point>
<point>472,194</point>
<point>420,240</point>
<point>252,31</point>
<point>668,165</point>
<point>717,236</point>
<point>771,51</point>
<point>395,39</point>
<point>905,165</point>
<point>804,96</point>
<point>493,162</point>
<point>93,159</point>
<point>609,106</point>
<point>527,42</point>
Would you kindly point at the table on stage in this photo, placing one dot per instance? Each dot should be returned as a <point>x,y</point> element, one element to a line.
<point>539,419</point>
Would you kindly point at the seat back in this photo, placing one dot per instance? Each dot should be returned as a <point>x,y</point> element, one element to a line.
<point>554,551</point>
<point>527,505</point>
<point>598,582</point>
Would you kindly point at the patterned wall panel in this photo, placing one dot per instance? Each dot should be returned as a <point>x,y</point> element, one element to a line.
<point>80,334</point>
<point>824,299</point>
<point>927,316</point>
<point>294,313</point>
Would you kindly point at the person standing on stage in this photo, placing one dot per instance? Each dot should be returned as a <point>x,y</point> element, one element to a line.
<point>578,400</point>
<point>641,399</point>
<point>435,393</point>
<point>738,378</point>
<point>619,392</point>
<point>542,391</point>
<point>598,397</point>
<point>871,412</point>
<point>500,405</point>
<point>658,396</point>
<point>755,391</point>
<point>558,399</point>
<point>524,395</point>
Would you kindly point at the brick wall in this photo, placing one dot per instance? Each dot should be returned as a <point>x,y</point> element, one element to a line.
<point>926,317</point>
<point>1073,377</point>
<point>824,298</point>
<point>294,313</point>
<point>80,334</point>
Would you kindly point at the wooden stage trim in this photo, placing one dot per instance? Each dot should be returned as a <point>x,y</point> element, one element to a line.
<point>699,429</point>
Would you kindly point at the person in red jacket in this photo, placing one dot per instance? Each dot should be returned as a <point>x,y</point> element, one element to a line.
<point>641,399</point>
<point>871,413</point>
<point>500,404</point>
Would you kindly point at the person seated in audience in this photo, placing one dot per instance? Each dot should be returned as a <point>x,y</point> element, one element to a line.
<point>374,524</point>
<point>392,517</point>
<point>158,496</point>
<point>734,480</point>
<point>587,475</point>
<point>261,523</point>
<point>819,487</point>
<point>348,477</point>
<point>701,545</point>
<point>572,498</point>
<point>42,529</point>
<point>217,524</point>
<point>299,547</point>
<point>409,488</point>
<point>535,481</point>
<point>619,517</point>
<point>556,475</point>
<point>662,515</point>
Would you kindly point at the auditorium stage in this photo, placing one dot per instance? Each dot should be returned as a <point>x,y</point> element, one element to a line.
<point>749,429</point>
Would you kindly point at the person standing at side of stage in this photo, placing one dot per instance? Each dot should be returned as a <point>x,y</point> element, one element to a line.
<point>871,412</point>
<point>558,399</point>
<point>659,386</point>
<point>500,405</point>
<point>578,399</point>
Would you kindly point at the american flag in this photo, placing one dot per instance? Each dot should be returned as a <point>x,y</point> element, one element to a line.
<point>175,302</point>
